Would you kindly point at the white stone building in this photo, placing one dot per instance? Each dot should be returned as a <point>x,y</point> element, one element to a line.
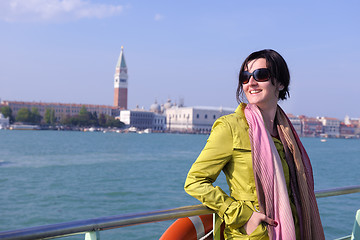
<point>142,119</point>
<point>331,126</point>
<point>172,118</point>
<point>193,119</point>
<point>4,122</point>
<point>159,122</point>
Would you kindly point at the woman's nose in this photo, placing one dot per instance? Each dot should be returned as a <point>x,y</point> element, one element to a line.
<point>252,81</point>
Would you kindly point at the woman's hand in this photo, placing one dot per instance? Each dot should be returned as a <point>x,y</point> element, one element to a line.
<point>254,221</point>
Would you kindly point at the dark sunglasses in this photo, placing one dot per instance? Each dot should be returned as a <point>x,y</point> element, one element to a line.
<point>260,75</point>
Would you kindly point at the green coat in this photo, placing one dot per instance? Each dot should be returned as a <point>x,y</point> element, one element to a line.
<point>228,149</point>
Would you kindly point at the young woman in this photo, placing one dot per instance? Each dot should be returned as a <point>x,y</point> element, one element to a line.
<point>266,167</point>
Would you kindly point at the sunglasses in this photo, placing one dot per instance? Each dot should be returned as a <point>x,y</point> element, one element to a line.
<point>260,75</point>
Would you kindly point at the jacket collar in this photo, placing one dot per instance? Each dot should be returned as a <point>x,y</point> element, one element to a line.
<point>240,129</point>
<point>240,110</point>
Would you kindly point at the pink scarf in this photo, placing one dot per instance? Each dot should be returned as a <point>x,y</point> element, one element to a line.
<point>270,181</point>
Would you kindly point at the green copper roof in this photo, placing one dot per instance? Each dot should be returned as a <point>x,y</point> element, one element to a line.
<point>121,62</point>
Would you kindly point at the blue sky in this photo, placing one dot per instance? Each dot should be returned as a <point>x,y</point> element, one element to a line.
<point>66,51</point>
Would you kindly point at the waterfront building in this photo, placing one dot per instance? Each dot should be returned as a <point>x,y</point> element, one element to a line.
<point>193,119</point>
<point>331,126</point>
<point>348,130</point>
<point>296,122</point>
<point>142,119</point>
<point>159,122</point>
<point>311,127</point>
<point>61,109</point>
<point>4,122</point>
<point>352,121</point>
<point>121,82</point>
<point>173,118</point>
<point>69,109</point>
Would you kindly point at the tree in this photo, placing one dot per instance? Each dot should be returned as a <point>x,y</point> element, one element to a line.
<point>84,117</point>
<point>112,122</point>
<point>94,119</point>
<point>102,120</point>
<point>23,115</point>
<point>7,112</point>
<point>117,123</point>
<point>87,119</point>
<point>67,120</point>
<point>35,116</point>
<point>49,116</point>
<point>83,111</point>
<point>52,116</point>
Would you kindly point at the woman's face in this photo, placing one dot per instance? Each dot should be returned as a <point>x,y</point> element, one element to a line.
<point>264,94</point>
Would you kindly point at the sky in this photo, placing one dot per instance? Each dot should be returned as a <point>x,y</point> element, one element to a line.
<point>66,51</point>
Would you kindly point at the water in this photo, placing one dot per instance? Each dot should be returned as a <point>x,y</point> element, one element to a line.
<point>51,176</point>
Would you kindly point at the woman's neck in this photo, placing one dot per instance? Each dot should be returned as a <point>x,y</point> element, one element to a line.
<point>269,120</point>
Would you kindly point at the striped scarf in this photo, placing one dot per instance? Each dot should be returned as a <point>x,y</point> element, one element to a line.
<point>270,181</point>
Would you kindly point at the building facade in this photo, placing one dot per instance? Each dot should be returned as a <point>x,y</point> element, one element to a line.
<point>311,127</point>
<point>173,118</point>
<point>193,119</point>
<point>331,126</point>
<point>121,82</point>
<point>159,122</point>
<point>4,122</point>
<point>352,121</point>
<point>348,130</point>
<point>61,109</point>
<point>142,119</point>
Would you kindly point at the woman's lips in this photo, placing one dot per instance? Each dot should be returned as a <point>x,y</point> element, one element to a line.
<point>255,91</point>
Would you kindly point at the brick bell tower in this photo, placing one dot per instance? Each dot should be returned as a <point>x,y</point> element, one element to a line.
<point>121,82</point>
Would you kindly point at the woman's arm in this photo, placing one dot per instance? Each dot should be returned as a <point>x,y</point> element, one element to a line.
<point>199,183</point>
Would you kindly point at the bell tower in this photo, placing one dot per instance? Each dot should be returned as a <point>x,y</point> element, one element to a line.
<point>121,82</point>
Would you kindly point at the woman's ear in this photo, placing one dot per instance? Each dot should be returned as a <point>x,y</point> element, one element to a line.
<point>281,87</point>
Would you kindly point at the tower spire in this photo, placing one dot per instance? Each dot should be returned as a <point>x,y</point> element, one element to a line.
<point>121,61</point>
<point>121,82</point>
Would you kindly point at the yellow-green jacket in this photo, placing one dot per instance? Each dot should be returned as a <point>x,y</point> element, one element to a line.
<point>228,148</point>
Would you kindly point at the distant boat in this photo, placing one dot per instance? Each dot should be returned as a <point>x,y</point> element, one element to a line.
<point>24,127</point>
<point>148,130</point>
<point>132,129</point>
<point>92,129</point>
<point>323,140</point>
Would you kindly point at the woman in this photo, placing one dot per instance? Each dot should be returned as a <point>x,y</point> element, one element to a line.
<point>266,167</point>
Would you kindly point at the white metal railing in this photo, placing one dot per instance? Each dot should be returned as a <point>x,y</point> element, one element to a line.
<point>92,227</point>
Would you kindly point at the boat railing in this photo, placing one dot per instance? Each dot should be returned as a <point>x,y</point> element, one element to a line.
<point>92,227</point>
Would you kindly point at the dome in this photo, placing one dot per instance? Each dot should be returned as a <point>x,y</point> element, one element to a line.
<point>155,107</point>
<point>168,104</point>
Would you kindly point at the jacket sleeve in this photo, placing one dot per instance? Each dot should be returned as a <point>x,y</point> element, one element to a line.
<point>207,167</point>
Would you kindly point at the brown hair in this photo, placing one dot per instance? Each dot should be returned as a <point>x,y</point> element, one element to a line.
<point>277,66</point>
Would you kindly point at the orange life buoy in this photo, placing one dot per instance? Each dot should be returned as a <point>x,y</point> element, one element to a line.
<point>189,228</point>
